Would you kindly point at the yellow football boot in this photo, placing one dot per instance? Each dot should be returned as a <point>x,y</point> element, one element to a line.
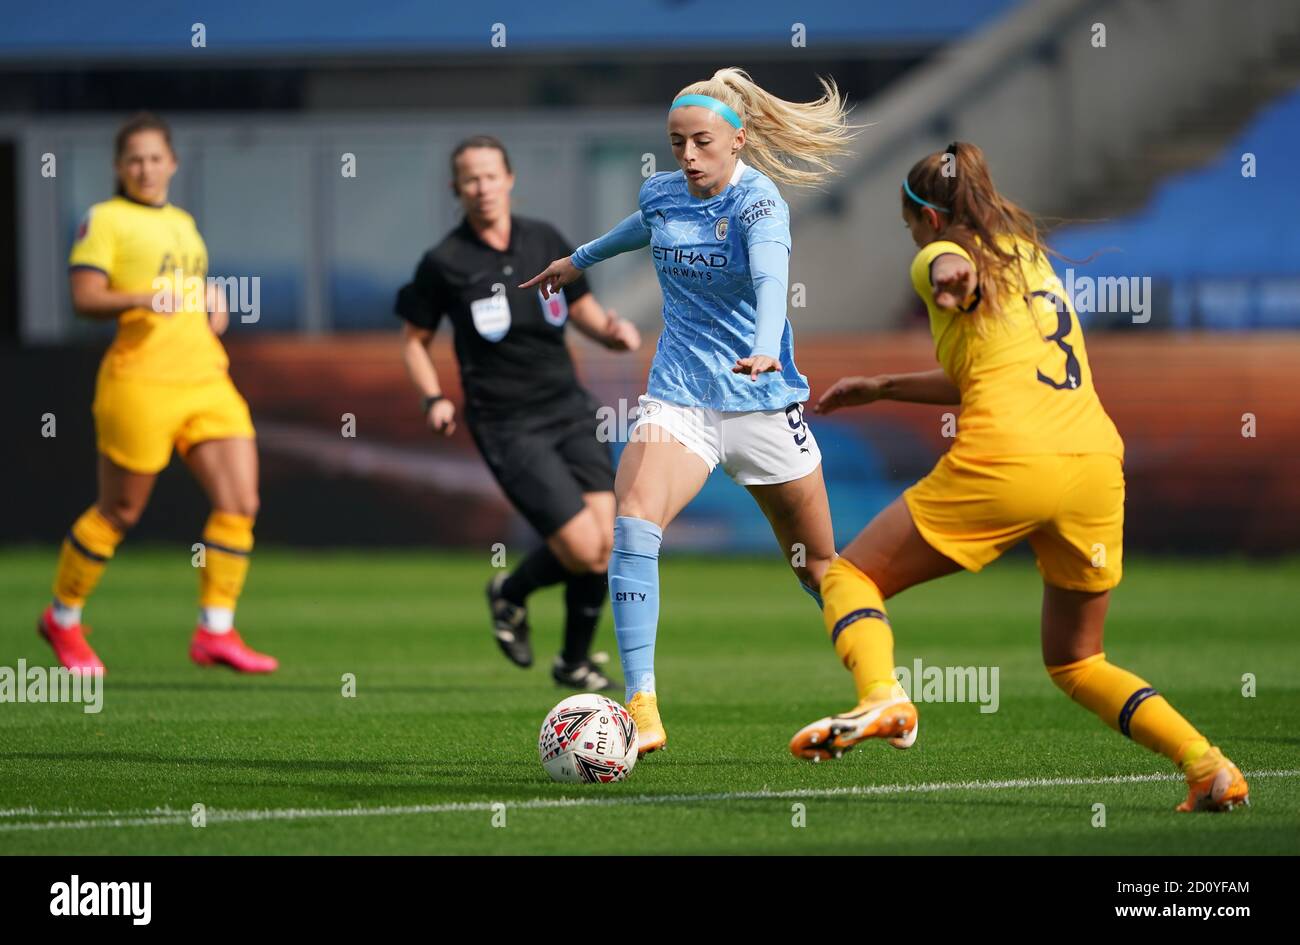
<point>650,734</point>
<point>893,718</point>
<point>1214,784</point>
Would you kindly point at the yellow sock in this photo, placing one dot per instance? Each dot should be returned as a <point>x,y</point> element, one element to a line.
<point>1128,704</point>
<point>855,618</point>
<point>228,542</point>
<point>90,543</point>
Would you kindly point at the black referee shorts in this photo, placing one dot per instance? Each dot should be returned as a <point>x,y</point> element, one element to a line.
<point>544,464</point>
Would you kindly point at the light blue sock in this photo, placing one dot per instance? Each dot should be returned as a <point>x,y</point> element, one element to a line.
<point>634,599</point>
<point>814,595</point>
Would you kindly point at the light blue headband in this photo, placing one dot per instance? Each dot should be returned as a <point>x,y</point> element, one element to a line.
<point>925,203</point>
<point>712,104</point>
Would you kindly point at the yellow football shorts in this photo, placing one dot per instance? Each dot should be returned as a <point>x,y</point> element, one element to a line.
<point>137,423</point>
<point>1070,507</point>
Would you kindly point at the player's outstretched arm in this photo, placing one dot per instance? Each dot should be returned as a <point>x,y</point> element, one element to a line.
<point>602,325</point>
<point>631,233</point>
<point>92,298</point>
<point>554,277</point>
<point>922,387</point>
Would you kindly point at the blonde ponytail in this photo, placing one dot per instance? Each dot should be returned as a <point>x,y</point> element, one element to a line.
<point>781,135</point>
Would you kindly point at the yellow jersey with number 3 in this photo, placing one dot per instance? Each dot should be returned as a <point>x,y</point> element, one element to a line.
<point>1021,366</point>
<point>135,244</point>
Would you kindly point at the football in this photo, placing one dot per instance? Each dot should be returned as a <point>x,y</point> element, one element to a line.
<point>589,739</point>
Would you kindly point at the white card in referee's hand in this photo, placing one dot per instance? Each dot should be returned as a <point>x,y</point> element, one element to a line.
<point>491,316</point>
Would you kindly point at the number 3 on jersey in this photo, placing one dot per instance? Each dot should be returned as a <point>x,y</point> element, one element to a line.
<point>1064,324</point>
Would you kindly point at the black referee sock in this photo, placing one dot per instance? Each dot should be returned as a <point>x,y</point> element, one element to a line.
<point>540,569</point>
<point>584,598</point>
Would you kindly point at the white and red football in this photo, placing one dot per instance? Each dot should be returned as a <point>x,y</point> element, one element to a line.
<point>588,738</point>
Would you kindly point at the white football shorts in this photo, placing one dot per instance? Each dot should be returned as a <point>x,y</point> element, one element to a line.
<point>755,447</point>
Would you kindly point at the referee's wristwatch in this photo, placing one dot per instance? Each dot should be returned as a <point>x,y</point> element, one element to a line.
<point>428,400</point>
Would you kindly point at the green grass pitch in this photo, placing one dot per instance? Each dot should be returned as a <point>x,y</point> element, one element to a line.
<point>442,728</point>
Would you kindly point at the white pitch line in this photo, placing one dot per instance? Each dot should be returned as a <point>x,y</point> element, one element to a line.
<point>164,816</point>
<point>74,812</point>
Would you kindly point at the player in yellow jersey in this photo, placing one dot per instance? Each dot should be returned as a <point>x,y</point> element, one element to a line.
<point>140,261</point>
<point>1035,457</point>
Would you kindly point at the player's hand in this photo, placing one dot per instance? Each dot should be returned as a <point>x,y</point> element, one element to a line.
<point>850,392</point>
<point>218,314</point>
<point>953,280</point>
<point>756,365</point>
<point>554,277</point>
<point>621,335</point>
<point>442,417</point>
<point>144,300</point>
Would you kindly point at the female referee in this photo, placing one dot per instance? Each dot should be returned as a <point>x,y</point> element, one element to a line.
<point>1035,457</point>
<point>162,384</point>
<point>723,386</point>
<point>532,421</point>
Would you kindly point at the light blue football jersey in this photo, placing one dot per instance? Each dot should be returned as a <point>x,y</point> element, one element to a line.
<point>700,254</point>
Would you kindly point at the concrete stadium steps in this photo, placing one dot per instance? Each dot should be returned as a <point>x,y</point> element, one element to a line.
<point>1193,139</point>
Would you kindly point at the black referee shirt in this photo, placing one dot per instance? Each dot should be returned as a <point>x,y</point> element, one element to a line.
<point>510,344</point>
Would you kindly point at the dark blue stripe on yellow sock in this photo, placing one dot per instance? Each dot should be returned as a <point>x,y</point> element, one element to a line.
<point>225,549</point>
<point>865,613</point>
<point>83,550</point>
<point>1131,706</point>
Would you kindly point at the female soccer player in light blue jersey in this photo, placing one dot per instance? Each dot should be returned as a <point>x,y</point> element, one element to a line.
<point>723,385</point>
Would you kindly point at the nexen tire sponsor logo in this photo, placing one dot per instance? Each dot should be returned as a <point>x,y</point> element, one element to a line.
<point>103,899</point>
<point>757,210</point>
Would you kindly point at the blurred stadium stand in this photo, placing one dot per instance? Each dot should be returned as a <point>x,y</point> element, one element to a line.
<point>1218,245</point>
<point>1069,128</point>
<point>264,112</point>
<point>1058,118</point>
<point>309,30</point>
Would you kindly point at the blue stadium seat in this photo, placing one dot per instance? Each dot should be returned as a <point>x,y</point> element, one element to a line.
<point>1221,246</point>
